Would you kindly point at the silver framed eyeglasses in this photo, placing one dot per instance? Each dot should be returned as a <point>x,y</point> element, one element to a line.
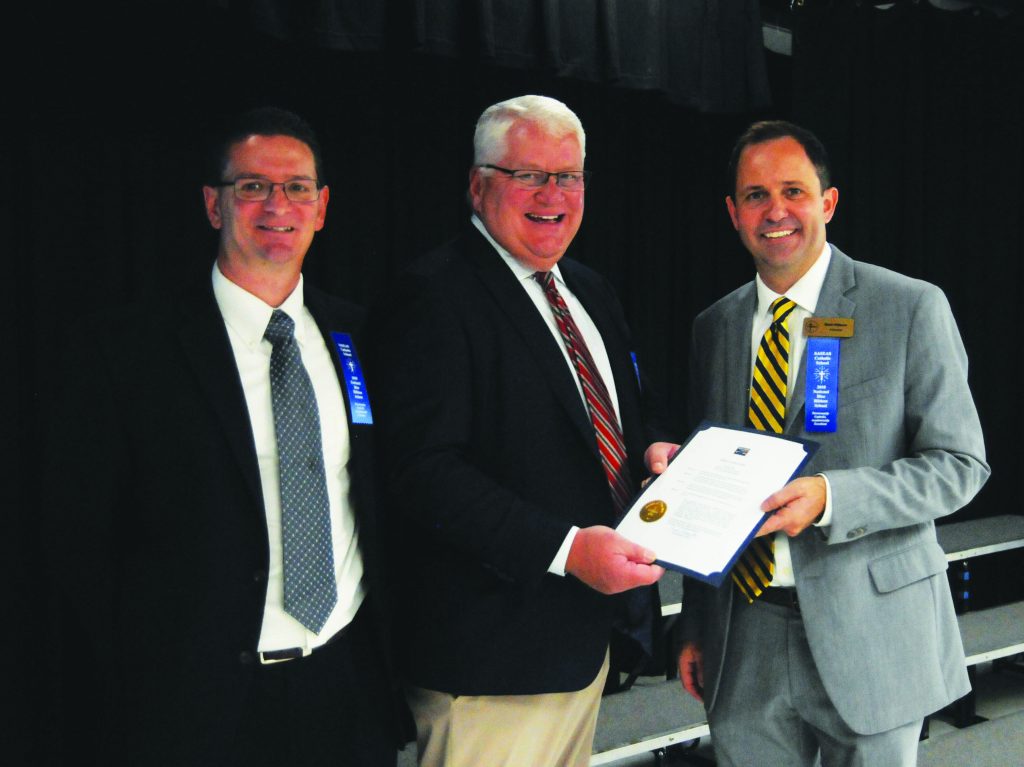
<point>256,189</point>
<point>571,180</point>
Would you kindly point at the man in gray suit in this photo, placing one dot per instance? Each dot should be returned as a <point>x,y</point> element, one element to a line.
<point>850,639</point>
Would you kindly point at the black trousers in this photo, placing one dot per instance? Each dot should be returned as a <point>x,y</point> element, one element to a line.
<point>330,708</point>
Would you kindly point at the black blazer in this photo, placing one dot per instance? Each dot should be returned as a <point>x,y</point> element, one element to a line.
<point>489,457</point>
<point>157,526</point>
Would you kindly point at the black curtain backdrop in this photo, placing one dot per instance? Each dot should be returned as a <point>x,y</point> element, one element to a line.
<point>920,109</point>
<point>700,53</point>
<point>107,109</point>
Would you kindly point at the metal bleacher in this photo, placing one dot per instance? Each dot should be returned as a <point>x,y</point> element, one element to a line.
<point>995,632</point>
<point>975,537</point>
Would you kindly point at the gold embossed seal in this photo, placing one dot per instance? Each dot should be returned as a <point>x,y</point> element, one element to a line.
<point>652,511</point>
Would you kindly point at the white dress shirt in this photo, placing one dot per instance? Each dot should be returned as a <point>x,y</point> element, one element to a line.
<point>804,293</point>
<point>591,336</point>
<point>246,318</point>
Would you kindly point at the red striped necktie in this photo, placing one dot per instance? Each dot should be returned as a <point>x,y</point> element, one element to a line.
<point>599,405</point>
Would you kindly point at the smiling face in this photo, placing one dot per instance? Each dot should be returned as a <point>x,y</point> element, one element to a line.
<point>534,225</point>
<point>263,240</point>
<point>780,210</point>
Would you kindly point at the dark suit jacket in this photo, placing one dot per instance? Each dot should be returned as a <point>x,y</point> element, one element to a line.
<point>158,527</point>
<point>490,457</point>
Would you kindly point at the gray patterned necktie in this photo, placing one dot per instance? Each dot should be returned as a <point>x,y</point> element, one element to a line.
<point>310,589</point>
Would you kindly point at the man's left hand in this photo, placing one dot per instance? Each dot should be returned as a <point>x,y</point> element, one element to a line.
<point>658,454</point>
<point>797,506</point>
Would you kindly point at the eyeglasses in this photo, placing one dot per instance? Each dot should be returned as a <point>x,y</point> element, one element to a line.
<point>572,180</point>
<point>256,189</point>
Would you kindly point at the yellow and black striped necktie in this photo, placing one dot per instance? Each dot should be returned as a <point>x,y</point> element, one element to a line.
<point>766,412</point>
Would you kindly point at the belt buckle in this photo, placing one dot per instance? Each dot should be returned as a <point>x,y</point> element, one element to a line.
<point>782,596</point>
<point>794,601</point>
<point>270,657</point>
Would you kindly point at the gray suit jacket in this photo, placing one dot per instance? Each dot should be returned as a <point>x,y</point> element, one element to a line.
<point>873,591</point>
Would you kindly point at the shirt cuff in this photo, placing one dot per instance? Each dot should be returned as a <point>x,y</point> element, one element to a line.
<point>558,563</point>
<point>826,515</point>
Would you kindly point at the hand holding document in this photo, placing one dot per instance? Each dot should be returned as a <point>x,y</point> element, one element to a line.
<point>703,510</point>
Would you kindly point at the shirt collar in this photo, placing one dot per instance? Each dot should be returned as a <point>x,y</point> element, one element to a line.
<point>804,292</point>
<point>521,272</point>
<point>248,316</point>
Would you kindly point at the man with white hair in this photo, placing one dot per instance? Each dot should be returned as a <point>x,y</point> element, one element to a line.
<point>513,425</point>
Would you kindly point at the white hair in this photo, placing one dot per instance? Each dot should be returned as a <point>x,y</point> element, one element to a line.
<point>490,140</point>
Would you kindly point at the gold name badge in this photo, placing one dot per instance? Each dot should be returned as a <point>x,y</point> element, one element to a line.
<point>828,327</point>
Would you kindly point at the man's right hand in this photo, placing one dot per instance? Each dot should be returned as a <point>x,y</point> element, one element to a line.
<point>609,563</point>
<point>691,670</point>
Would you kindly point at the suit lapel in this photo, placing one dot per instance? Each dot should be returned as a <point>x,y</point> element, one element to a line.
<point>832,302</point>
<point>330,318</point>
<point>526,322</point>
<point>204,340</point>
<point>327,323</point>
<point>332,322</point>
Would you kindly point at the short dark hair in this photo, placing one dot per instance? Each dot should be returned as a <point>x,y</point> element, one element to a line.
<point>262,121</point>
<point>769,130</point>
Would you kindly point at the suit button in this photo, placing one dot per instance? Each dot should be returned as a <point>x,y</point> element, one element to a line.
<point>247,657</point>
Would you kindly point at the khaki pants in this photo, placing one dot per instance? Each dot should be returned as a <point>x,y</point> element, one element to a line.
<point>549,730</point>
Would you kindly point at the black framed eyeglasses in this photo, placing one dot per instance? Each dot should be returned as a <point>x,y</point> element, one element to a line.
<point>257,189</point>
<point>570,180</point>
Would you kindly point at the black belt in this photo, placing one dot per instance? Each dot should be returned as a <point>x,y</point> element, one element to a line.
<point>291,653</point>
<point>781,596</point>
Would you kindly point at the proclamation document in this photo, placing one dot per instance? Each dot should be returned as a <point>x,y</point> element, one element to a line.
<point>702,511</point>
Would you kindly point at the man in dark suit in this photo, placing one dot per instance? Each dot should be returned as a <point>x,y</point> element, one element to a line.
<point>212,502</point>
<point>838,635</point>
<point>512,437</point>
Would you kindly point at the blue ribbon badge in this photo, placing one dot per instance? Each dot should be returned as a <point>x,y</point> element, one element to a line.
<point>358,401</point>
<point>822,400</point>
